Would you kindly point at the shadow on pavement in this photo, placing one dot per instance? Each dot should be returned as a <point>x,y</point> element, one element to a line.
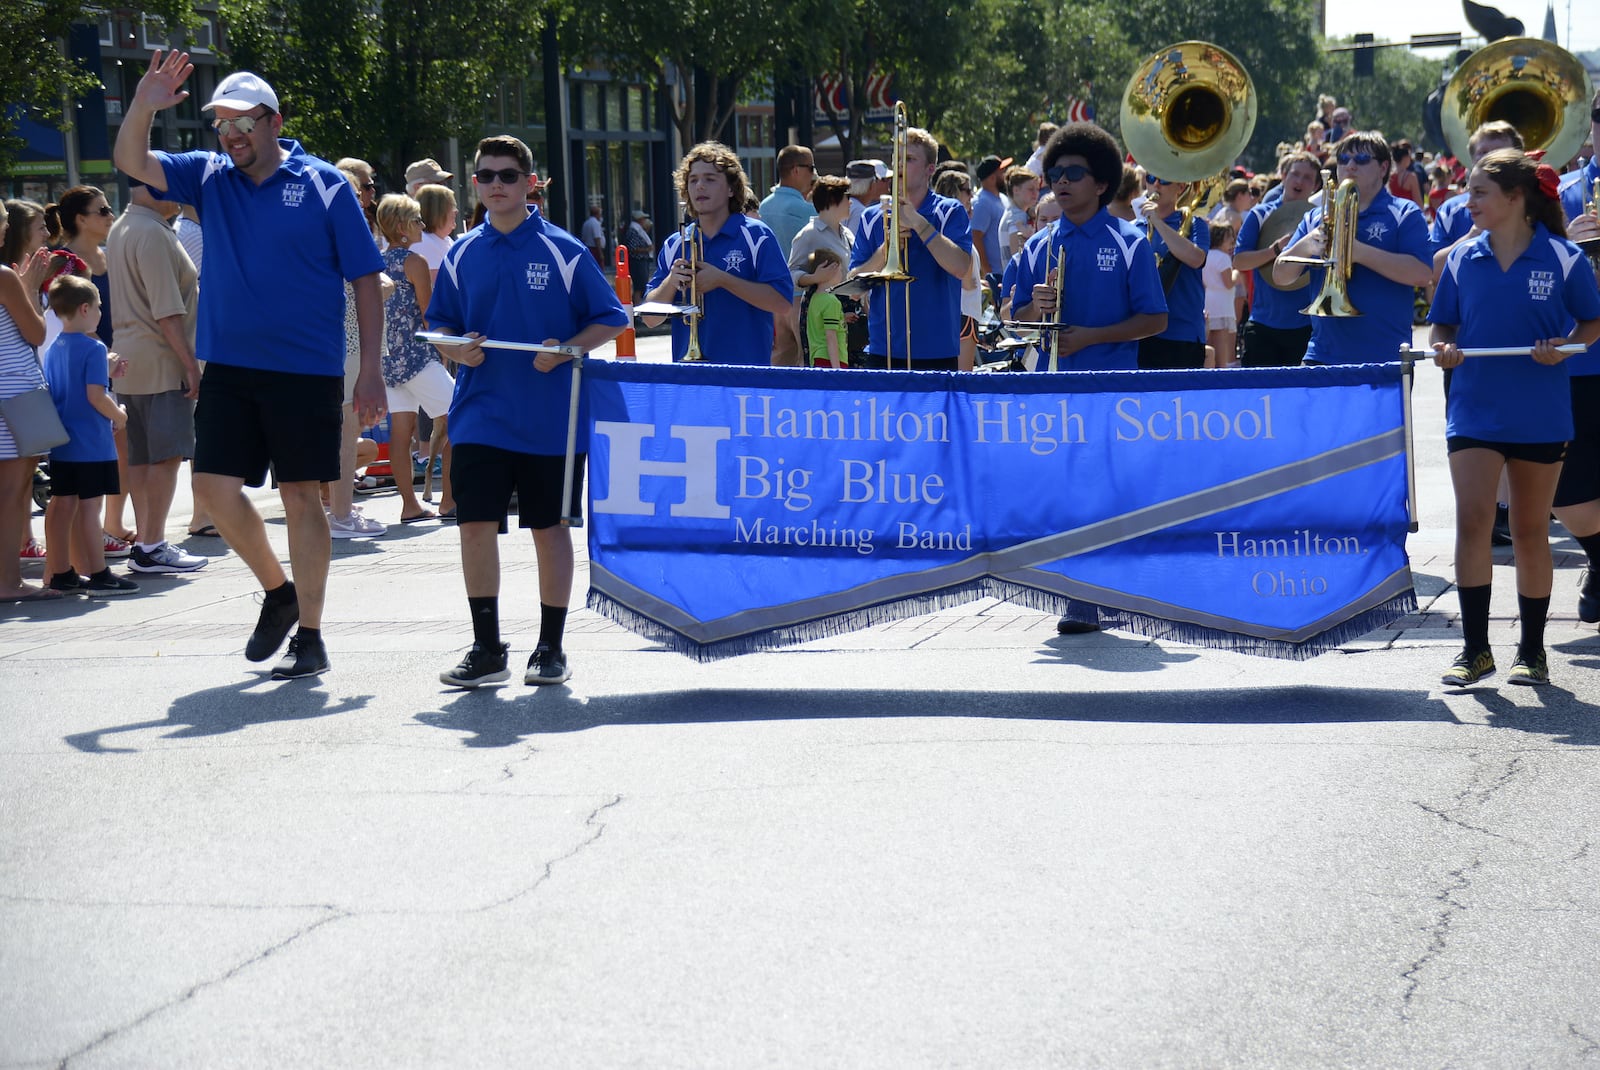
<point>503,717</point>
<point>217,711</point>
<point>1559,715</point>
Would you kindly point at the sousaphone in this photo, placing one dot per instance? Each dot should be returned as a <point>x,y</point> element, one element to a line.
<point>1536,86</point>
<point>1187,114</point>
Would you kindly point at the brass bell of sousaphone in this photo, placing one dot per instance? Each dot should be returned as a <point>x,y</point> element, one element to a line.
<point>1187,114</point>
<point>1536,86</point>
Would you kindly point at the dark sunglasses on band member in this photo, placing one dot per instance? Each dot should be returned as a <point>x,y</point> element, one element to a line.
<point>1068,172</point>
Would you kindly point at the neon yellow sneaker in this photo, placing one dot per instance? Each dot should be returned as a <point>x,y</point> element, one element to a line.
<point>1468,668</point>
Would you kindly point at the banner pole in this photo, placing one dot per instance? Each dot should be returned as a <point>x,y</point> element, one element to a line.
<point>1407,376</point>
<point>567,519</point>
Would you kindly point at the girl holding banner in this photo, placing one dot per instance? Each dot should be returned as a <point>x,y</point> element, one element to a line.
<point>1519,283</point>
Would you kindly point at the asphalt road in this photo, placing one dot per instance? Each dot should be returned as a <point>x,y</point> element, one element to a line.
<point>953,841</point>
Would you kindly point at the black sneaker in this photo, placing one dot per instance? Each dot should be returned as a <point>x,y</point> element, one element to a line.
<point>106,585</point>
<point>1468,668</point>
<point>480,666</point>
<point>274,623</point>
<point>1072,626</point>
<point>68,583</point>
<point>306,656</point>
<point>1529,669</point>
<point>547,666</point>
<point>1589,596</point>
<point>1501,534</point>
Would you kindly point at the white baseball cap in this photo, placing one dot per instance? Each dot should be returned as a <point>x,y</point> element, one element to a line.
<point>243,90</point>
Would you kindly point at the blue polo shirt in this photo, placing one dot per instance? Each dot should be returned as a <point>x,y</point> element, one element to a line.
<point>1271,307</point>
<point>731,331</point>
<point>935,294</point>
<point>71,364</point>
<point>1111,275</point>
<point>535,283</point>
<point>1575,190</point>
<point>1547,288</point>
<point>280,254</point>
<point>988,210</point>
<point>1451,221</point>
<point>1393,225</point>
<point>1186,301</point>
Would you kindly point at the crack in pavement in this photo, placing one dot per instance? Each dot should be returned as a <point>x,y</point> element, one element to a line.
<point>592,821</point>
<point>334,914</point>
<point>1438,933</point>
<point>1476,795</point>
<point>1590,1045</point>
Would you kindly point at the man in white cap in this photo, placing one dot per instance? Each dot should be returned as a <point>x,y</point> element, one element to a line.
<point>869,180</point>
<point>284,233</point>
<point>426,173</point>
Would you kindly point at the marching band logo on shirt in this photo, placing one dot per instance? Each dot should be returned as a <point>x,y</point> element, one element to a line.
<point>1541,284</point>
<point>1106,258</point>
<point>294,194</point>
<point>1375,231</point>
<point>733,261</point>
<point>538,276</point>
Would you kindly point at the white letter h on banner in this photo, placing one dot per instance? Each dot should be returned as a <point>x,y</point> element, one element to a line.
<point>698,470</point>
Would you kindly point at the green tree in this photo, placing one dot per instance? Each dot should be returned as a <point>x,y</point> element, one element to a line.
<point>37,73</point>
<point>389,82</point>
<point>1391,100</point>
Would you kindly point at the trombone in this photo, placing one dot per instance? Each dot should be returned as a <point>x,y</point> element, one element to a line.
<point>1340,209</point>
<point>894,269</point>
<point>691,247</point>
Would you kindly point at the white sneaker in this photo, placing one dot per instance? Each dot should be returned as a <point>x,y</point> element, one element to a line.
<point>165,558</point>
<point>354,526</point>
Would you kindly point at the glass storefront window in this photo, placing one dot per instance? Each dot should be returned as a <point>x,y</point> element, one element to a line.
<point>636,112</point>
<point>591,107</point>
<point>614,108</point>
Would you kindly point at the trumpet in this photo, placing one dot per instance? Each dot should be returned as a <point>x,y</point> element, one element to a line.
<point>894,269</point>
<point>1059,260</point>
<point>691,249</point>
<point>1340,209</point>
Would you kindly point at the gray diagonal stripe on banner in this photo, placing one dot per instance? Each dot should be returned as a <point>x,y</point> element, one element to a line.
<point>1218,499</point>
<point>1391,586</point>
<point>1015,559</point>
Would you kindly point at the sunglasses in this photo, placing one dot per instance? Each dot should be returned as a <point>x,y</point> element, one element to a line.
<point>104,209</point>
<point>1070,172</point>
<point>242,125</point>
<point>1152,180</point>
<point>506,176</point>
<point>1360,159</point>
<point>369,187</point>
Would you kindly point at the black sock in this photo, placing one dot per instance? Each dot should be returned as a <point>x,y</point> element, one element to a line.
<point>1533,612</point>
<point>1475,617</point>
<point>281,595</point>
<point>485,613</point>
<point>309,633</point>
<point>552,622</point>
<point>65,577</point>
<point>1591,548</point>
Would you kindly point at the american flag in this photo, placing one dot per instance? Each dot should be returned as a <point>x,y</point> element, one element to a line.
<point>1079,111</point>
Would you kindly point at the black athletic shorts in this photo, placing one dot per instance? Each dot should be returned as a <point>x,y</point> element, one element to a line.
<point>482,478</point>
<point>248,419</point>
<point>1261,346</point>
<point>873,360</point>
<point>1580,477</point>
<point>1167,353</point>
<point>1533,452</point>
<point>84,479</point>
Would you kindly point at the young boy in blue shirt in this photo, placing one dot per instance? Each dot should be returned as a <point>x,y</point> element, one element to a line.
<point>516,277</point>
<point>84,469</point>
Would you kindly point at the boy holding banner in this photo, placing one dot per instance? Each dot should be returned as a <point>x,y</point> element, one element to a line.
<point>516,278</point>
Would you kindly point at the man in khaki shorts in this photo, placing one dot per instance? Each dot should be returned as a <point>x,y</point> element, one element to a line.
<point>154,302</point>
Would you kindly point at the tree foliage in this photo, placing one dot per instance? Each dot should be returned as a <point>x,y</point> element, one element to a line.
<point>1391,100</point>
<point>36,73</point>
<point>390,82</point>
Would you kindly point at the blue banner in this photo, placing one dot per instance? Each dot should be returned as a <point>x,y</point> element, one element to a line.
<point>739,509</point>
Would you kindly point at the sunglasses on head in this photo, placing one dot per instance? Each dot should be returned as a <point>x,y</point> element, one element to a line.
<point>1075,172</point>
<point>506,176</point>
<point>242,125</point>
<point>1358,158</point>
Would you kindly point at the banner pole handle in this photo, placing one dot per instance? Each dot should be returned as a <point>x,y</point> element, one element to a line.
<point>1407,378</point>
<point>567,519</point>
